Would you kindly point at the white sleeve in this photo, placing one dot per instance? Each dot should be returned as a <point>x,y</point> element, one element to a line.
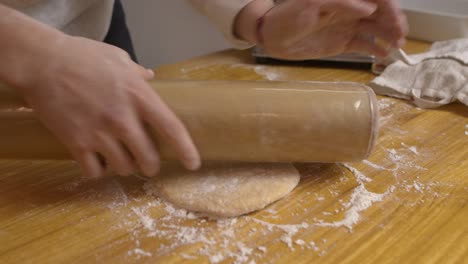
<point>223,14</point>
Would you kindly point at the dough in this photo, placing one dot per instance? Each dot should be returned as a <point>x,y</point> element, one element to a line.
<point>226,189</point>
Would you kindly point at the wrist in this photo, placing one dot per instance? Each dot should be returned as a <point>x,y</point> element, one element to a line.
<point>248,23</point>
<point>25,49</point>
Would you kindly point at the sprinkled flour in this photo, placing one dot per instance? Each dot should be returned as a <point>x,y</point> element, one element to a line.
<point>226,239</point>
<point>410,148</point>
<point>217,243</point>
<point>360,177</point>
<point>139,252</point>
<point>360,200</point>
<point>268,73</point>
<point>240,240</point>
<point>373,165</point>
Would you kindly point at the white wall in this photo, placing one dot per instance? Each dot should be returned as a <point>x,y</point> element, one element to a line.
<point>166,31</point>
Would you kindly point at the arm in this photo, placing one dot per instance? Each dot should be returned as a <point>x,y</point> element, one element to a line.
<point>24,41</point>
<point>91,96</point>
<point>223,13</point>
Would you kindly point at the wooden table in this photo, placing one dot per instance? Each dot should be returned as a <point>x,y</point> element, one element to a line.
<point>414,209</point>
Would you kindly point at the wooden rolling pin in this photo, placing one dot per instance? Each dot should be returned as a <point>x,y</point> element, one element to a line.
<point>261,121</point>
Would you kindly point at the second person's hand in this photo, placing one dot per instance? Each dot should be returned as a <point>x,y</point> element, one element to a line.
<point>308,29</point>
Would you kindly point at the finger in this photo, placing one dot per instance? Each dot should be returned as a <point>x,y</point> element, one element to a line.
<point>147,74</point>
<point>158,115</point>
<point>84,155</point>
<point>390,16</point>
<point>399,26</point>
<point>89,164</point>
<point>373,29</point>
<point>387,10</point>
<point>403,24</point>
<point>293,21</point>
<point>115,155</point>
<point>141,147</point>
<point>400,43</point>
<point>362,45</point>
<point>349,9</point>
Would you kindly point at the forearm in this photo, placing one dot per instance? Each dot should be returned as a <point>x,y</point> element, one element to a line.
<point>223,15</point>
<point>25,45</point>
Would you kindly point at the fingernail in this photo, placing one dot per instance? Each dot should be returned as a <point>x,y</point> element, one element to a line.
<point>192,164</point>
<point>371,6</point>
<point>90,174</point>
<point>151,72</point>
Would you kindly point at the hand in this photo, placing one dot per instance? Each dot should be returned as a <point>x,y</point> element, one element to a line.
<point>307,29</point>
<point>96,101</point>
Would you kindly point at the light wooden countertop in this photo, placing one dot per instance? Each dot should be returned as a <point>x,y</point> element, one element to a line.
<point>414,209</point>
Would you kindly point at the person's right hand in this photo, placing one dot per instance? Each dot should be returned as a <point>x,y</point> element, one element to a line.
<point>96,100</point>
<point>309,29</point>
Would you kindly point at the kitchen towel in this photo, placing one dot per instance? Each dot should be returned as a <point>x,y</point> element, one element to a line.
<point>430,79</point>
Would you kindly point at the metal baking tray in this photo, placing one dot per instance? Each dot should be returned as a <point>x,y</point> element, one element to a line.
<point>348,57</point>
<point>353,60</point>
<point>436,20</point>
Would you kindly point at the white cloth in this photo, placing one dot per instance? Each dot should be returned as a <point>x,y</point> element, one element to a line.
<point>430,79</point>
<point>85,18</point>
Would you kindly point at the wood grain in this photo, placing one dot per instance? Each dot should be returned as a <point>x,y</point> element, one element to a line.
<point>49,215</point>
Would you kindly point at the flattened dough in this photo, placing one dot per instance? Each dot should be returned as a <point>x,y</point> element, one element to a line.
<point>226,189</point>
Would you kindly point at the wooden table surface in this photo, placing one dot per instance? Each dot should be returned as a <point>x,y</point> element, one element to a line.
<point>412,209</point>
